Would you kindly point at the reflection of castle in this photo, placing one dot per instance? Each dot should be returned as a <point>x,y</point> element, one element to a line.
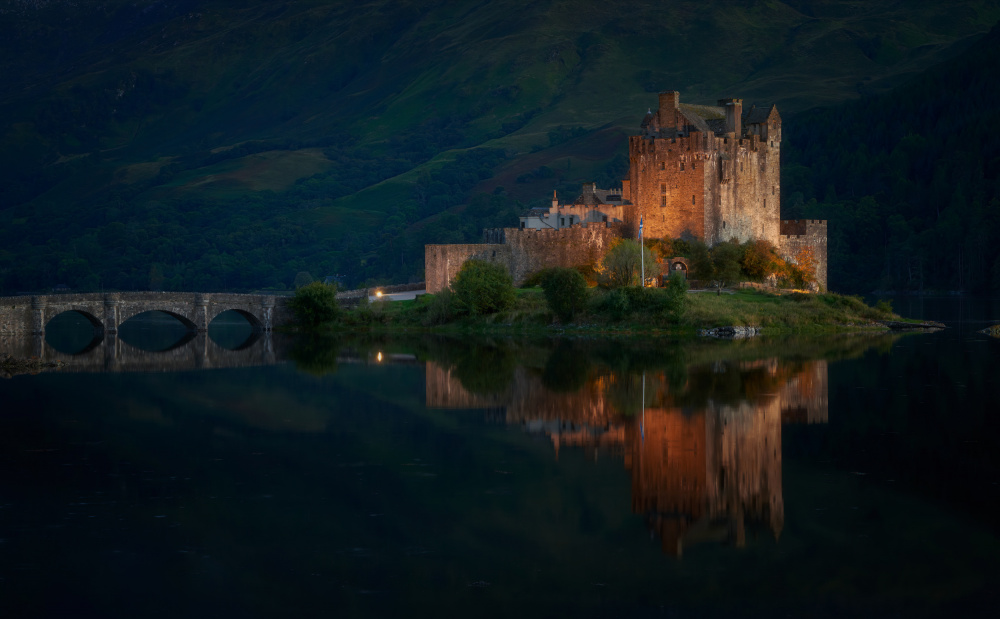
<point>705,459</point>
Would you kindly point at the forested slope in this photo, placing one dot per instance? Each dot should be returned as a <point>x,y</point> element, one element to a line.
<point>214,144</point>
<point>909,180</point>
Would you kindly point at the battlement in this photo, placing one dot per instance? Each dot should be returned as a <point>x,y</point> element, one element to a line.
<point>802,227</point>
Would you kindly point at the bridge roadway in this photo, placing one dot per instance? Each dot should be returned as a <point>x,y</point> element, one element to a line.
<point>108,353</point>
<point>106,311</point>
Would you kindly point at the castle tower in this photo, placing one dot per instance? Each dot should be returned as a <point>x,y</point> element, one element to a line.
<point>710,172</point>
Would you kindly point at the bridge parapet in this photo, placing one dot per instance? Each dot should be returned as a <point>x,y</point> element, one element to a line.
<point>107,311</point>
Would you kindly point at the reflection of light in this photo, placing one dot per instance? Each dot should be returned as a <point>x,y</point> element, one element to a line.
<point>378,293</point>
<point>380,357</point>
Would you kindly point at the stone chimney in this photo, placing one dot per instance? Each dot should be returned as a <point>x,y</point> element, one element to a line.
<point>669,103</point>
<point>734,115</point>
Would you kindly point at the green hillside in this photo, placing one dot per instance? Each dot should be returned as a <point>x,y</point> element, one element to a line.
<point>909,180</point>
<point>212,144</point>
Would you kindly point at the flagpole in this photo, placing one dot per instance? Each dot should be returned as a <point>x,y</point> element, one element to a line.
<point>642,257</point>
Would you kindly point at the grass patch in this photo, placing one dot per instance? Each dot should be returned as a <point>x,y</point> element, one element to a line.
<point>773,313</point>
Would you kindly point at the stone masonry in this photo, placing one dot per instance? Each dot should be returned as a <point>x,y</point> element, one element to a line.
<point>106,311</point>
<point>523,252</point>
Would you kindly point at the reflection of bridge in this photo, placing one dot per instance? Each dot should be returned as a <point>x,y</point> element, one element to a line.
<point>108,353</point>
<point>106,311</point>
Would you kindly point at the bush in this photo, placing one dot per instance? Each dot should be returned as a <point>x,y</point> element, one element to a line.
<point>482,288</point>
<point>315,304</point>
<point>662,303</point>
<point>440,308</point>
<point>623,262</point>
<point>565,292</point>
<point>613,303</point>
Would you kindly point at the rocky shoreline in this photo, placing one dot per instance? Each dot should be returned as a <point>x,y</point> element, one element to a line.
<point>12,366</point>
<point>730,333</point>
<point>896,325</point>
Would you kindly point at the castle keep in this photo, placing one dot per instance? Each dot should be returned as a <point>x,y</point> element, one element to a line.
<point>710,172</point>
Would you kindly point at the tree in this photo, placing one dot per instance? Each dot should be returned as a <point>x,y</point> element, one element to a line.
<point>760,260</point>
<point>565,292</point>
<point>622,265</point>
<point>483,288</point>
<point>315,304</point>
<point>302,278</point>
<point>702,266</point>
<point>726,261</point>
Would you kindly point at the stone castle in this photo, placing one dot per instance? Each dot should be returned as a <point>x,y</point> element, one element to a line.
<point>708,172</point>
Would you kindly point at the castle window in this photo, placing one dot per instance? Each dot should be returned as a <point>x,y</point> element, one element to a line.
<point>522,225</point>
<point>605,219</point>
<point>663,188</point>
<point>772,190</point>
<point>741,166</point>
<point>682,166</point>
<point>723,225</point>
<point>562,221</point>
<point>663,200</point>
<point>692,199</point>
<point>663,165</point>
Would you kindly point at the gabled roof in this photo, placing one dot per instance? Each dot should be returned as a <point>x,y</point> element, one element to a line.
<point>695,120</point>
<point>758,115</point>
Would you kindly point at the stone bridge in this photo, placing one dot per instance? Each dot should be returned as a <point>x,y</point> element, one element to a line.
<point>108,353</point>
<point>106,311</point>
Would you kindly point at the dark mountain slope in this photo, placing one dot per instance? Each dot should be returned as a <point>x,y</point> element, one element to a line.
<point>208,143</point>
<point>909,180</point>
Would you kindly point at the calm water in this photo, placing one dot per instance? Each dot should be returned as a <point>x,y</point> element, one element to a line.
<point>233,476</point>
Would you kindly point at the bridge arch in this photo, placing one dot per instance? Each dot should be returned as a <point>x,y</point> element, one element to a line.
<point>256,322</point>
<point>72,339</point>
<point>93,320</point>
<point>153,307</point>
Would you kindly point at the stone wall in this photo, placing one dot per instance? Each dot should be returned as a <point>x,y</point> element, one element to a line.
<point>802,234</point>
<point>667,183</point>
<point>523,252</point>
<point>534,250</point>
<point>442,262</point>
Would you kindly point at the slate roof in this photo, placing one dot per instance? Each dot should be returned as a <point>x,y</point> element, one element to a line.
<point>717,125</point>
<point>756,115</point>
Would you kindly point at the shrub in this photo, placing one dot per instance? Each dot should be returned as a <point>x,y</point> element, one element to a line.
<point>620,303</point>
<point>482,288</point>
<point>613,303</point>
<point>315,304</point>
<point>565,292</point>
<point>623,262</point>
<point>440,308</point>
<point>760,260</point>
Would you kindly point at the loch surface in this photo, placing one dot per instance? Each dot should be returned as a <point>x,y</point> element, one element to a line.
<point>854,475</point>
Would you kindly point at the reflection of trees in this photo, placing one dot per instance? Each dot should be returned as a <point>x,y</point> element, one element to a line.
<point>486,370</point>
<point>567,368</point>
<point>315,355</point>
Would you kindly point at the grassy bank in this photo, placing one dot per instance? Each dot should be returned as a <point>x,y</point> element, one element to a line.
<point>771,313</point>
